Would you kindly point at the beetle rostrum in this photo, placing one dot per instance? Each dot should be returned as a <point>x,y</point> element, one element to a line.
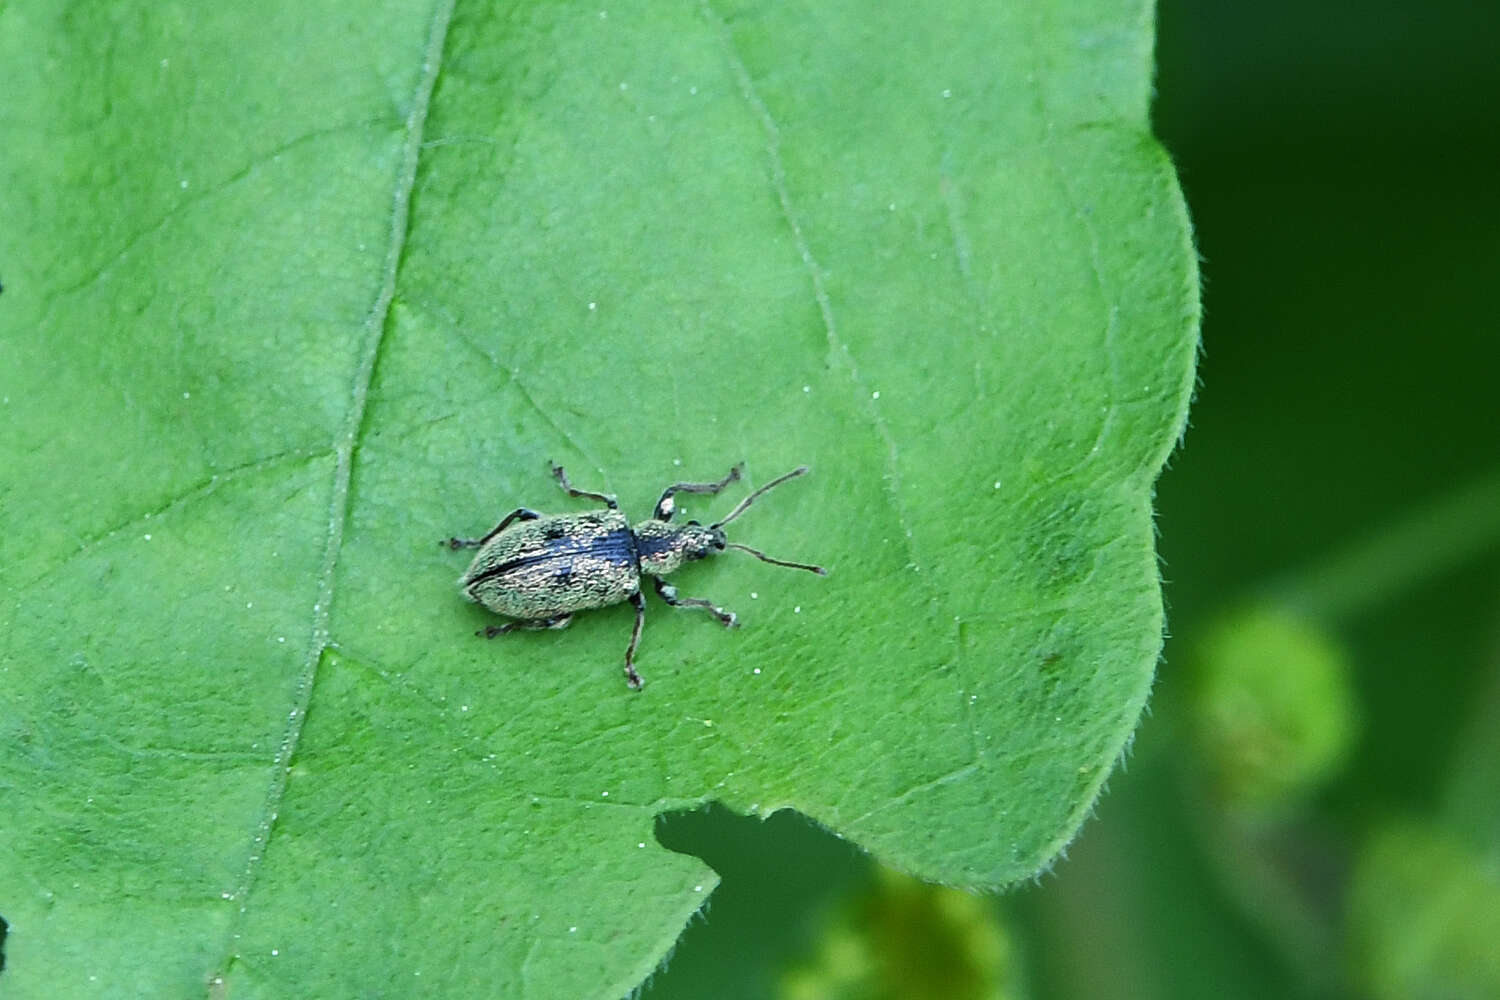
<point>541,569</point>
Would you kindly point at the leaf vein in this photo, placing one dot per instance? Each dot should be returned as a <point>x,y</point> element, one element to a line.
<point>836,345</point>
<point>956,774</point>
<point>512,375</point>
<point>189,202</point>
<point>345,448</point>
<point>171,504</point>
<point>838,348</point>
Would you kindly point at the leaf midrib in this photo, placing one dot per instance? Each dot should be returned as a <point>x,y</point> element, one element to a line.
<point>345,447</point>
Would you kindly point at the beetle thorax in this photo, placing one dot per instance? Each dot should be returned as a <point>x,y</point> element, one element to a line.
<point>664,546</point>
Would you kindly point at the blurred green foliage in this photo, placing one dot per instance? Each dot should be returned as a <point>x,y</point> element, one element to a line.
<point>1425,916</point>
<point>1339,476</point>
<point>900,939</point>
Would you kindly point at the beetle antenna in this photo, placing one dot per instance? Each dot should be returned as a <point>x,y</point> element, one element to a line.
<point>800,470</point>
<point>777,562</point>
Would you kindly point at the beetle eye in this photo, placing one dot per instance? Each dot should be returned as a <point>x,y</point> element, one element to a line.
<point>692,523</point>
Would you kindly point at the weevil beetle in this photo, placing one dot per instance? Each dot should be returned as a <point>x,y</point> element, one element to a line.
<point>541,569</point>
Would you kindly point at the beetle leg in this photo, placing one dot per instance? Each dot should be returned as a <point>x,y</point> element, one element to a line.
<point>519,514</point>
<point>665,507</point>
<point>527,624</point>
<point>668,593</point>
<point>632,678</point>
<point>604,498</point>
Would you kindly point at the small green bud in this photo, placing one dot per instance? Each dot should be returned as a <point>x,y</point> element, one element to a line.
<point>1272,707</point>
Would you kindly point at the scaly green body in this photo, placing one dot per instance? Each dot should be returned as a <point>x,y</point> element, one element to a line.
<point>556,565</point>
<point>541,569</point>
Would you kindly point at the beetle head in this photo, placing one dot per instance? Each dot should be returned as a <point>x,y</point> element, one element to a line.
<point>699,541</point>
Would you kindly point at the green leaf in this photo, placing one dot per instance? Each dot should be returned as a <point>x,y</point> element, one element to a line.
<point>293,292</point>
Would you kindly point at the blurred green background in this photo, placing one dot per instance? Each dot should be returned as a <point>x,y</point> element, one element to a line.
<point>1312,805</point>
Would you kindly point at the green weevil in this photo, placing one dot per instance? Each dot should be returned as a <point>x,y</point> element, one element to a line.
<point>541,569</point>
